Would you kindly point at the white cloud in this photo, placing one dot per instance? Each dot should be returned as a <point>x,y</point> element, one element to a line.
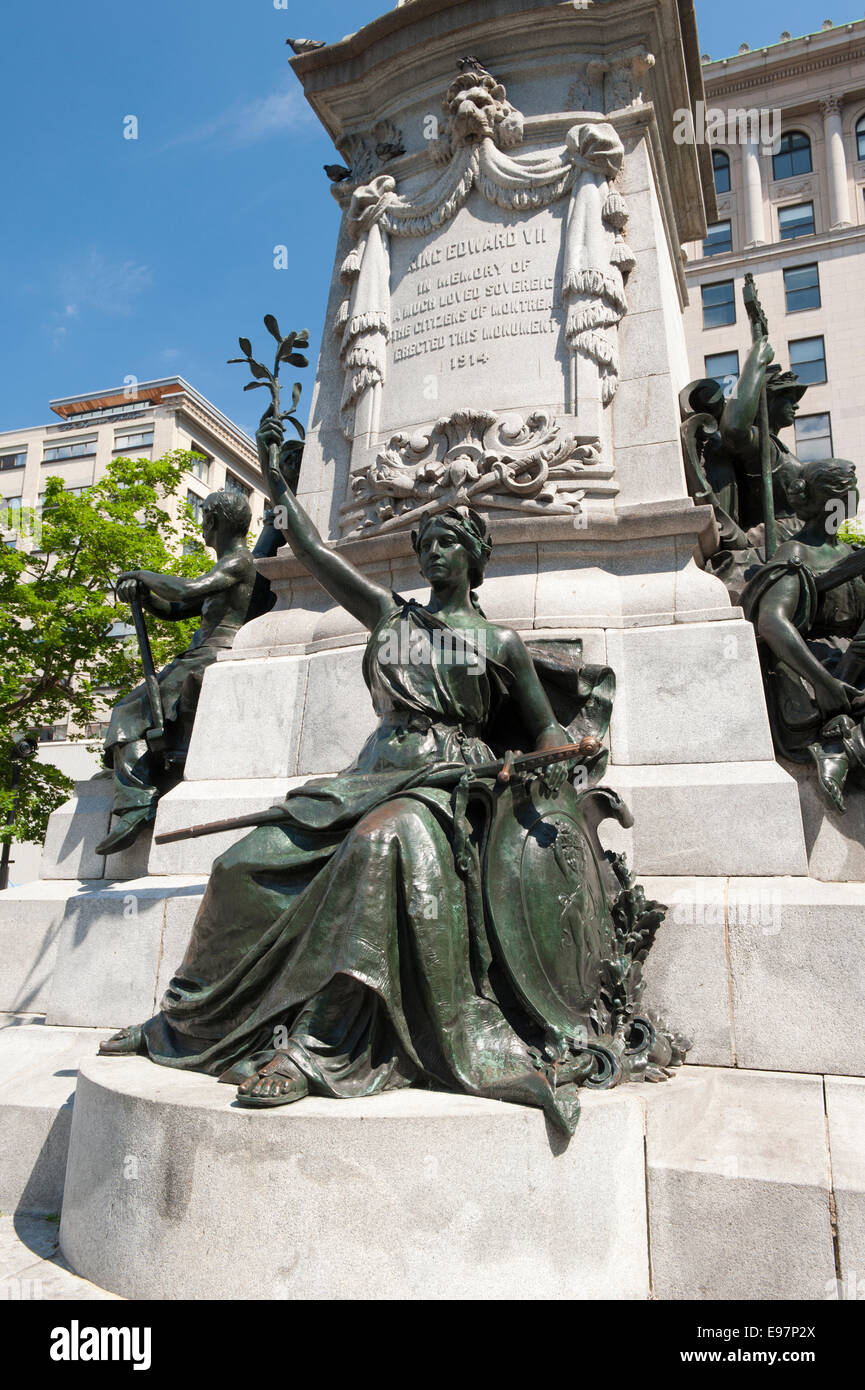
<point>99,284</point>
<point>240,126</point>
<point>102,283</point>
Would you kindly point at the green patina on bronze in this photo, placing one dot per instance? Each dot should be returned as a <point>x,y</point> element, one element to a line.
<point>149,730</point>
<point>782,558</point>
<point>411,921</point>
<point>735,459</point>
<point>808,605</point>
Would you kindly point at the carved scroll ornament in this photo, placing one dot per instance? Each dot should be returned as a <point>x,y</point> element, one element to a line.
<point>477,458</point>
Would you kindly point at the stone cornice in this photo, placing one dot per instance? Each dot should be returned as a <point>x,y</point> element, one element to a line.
<point>646,522</point>
<point>775,250</point>
<point>207,424</point>
<point>351,84</point>
<point>723,85</point>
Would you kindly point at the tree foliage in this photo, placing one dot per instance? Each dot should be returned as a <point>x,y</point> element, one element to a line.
<point>62,658</point>
<point>852,531</point>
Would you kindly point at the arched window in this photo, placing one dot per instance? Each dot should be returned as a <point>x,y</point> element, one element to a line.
<point>860,138</point>
<point>721,166</point>
<point>793,155</point>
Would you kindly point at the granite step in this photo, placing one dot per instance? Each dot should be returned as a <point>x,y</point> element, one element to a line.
<point>38,1072</point>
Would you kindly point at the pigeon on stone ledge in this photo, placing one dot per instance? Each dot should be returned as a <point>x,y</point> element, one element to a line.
<point>306,45</point>
<point>474,63</point>
<point>337,173</point>
<point>386,151</point>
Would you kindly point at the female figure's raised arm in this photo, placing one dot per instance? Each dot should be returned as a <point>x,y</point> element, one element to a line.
<point>365,600</point>
<point>738,422</point>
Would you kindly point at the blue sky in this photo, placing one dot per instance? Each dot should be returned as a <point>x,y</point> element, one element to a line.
<point>150,256</point>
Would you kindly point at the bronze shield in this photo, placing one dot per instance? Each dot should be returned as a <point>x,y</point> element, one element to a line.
<point>548,908</point>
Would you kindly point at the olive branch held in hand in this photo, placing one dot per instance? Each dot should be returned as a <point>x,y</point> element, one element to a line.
<point>286,351</point>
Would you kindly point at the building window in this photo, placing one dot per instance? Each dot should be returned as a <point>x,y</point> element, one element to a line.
<point>53,733</point>
<point>796,220</point>
<point>80,449</point>
<point>808,360</point>
<point>109,412</point>
<point>793,155</point>
<point>10,513</point>
<point>802,288</point>
<point>723,367</point>
<point>67,492</point>
<point>719,238</point>
<point>200,466</point>
<point>142,440</point>
<point>721,166</point>
<point>860,138</point>
<point>813,438</point>
<point>196,504</point>
<point>13,460</point>
<point>233,484</point>
<point>719,303</point>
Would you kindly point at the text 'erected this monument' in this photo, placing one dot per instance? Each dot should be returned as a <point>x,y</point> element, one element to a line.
<point>503,333</point>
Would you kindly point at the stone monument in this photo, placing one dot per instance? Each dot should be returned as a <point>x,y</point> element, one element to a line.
<point>503,332</point>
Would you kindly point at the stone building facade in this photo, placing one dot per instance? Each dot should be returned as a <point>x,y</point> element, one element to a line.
<point>144,421</point>
<point>793,214</point>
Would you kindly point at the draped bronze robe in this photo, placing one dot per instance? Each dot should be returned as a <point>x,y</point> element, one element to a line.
<point>345,935</point>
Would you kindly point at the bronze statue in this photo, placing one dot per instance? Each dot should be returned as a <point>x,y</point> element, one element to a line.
<point>149,730</point>
<point>808,606</point>
<point>782,559</point>
<point>740,434</point>
<point>734,458</point>
<point>441,914</point>
<point>723,449</point>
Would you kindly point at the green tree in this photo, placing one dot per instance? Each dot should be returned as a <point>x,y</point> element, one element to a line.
<point>60,661</point>
<point>852,531</point>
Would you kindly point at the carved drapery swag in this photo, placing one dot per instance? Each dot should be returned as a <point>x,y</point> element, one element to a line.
<point>480,129</point>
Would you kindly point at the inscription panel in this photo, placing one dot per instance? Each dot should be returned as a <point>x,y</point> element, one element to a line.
<point>476,316</point>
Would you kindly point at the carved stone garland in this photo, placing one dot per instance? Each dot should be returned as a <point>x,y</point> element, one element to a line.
<point>481,125</point>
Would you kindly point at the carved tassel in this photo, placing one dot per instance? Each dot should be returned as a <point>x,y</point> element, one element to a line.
<point>622,256</point>
<point>350,267</point>
<point>615,210</point>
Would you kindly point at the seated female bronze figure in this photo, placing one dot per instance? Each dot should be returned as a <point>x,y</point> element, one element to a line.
<point>388,930</point>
